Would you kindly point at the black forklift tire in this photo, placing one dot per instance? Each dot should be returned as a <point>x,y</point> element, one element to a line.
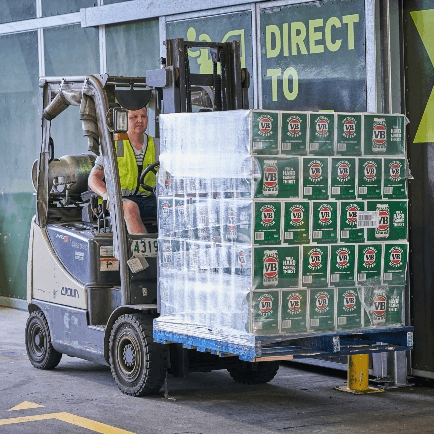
<point>138,364</point>
<point>243,373</point>
<point>40,351</point>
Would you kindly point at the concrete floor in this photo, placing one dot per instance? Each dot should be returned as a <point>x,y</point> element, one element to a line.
<point>81,397</point>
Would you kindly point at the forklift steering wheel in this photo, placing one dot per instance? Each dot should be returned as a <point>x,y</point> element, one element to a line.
<point>151,168</point>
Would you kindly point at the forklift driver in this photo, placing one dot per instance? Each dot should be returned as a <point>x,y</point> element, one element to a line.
<point>135,153</point>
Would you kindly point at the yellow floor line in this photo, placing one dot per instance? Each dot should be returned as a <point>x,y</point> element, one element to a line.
<point>82,422</point>
<point>26,405</point>
<point>23,419</point>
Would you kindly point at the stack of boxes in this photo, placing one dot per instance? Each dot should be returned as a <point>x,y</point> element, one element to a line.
<point>299,219</point>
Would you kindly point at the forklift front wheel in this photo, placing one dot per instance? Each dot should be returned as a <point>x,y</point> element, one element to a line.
<point>138,364</point>
<point>41,353</point>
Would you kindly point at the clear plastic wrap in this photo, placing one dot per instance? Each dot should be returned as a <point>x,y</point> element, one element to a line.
<point>205,208</point>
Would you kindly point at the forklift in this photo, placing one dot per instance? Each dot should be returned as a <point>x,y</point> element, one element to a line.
<point>92,288</point>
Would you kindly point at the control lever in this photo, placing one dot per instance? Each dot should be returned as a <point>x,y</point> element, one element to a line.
<point>100,213</point>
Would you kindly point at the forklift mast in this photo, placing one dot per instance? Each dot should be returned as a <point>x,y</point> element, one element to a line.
<point>179,89</point>
<point>175,89</point>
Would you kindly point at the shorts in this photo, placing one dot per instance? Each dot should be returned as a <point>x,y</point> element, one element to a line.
<point>147,206</point>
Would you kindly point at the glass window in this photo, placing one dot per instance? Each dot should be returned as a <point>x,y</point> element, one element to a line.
<point>19,109</point>
<point>218,28</point>
<point>67,134</point>
<point>13,10</point>
<point>55,7</point>
<point>19,124</point>
<point>70,50</point>
<point>132,49</point>
<point>325,70</point>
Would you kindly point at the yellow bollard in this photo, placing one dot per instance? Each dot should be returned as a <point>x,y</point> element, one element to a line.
<point>358,373</point>
<point>358,376</point>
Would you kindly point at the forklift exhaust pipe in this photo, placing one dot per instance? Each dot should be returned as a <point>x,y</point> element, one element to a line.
<point>60,103</point>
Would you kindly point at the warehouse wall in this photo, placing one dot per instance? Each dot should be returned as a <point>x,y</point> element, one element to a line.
<point>317,55</point>
<point>419,66</point>
<point>19,126</point>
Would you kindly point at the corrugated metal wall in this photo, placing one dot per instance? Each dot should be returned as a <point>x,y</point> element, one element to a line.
<point>419,67</point>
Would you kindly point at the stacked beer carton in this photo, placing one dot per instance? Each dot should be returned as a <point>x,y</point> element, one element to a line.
<point>281,223</point>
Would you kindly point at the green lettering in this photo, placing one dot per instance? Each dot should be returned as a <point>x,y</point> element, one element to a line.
<point>315,36</point>
<point>285,39</point>
<point>274,73</point>
<point>290,96</point>
<point>298,35</point>
<point>191,36</point>
<point>350,20</point>
<point>332,22</point>
<point>269,32</point>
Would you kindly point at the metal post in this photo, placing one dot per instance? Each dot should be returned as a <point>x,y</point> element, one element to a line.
<point>400,369</point>
<point>379,365</point>
<point>390,369</point>
<point>358,372</point>
<point>358,376</point>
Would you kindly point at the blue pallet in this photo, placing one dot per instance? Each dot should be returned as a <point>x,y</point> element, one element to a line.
<point>212,346</point>
<point>337,343</point>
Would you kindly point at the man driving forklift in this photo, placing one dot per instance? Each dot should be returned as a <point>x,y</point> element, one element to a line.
<point>133,154</point>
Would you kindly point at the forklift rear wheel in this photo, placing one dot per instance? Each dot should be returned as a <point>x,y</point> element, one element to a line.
<point>245,374</point>
<point>138,364</point>
<point>40,351</point>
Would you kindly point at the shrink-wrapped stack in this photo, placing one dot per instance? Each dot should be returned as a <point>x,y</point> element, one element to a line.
<point>205,211</point>
<point>280,223</point>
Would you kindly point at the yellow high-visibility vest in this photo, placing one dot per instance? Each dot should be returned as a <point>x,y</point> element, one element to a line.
<point>128,170</point>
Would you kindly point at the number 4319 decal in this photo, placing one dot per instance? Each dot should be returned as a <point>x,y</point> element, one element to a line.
<point>145,247</point>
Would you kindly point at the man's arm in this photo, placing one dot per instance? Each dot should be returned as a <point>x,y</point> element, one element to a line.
<point>96,182</point>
